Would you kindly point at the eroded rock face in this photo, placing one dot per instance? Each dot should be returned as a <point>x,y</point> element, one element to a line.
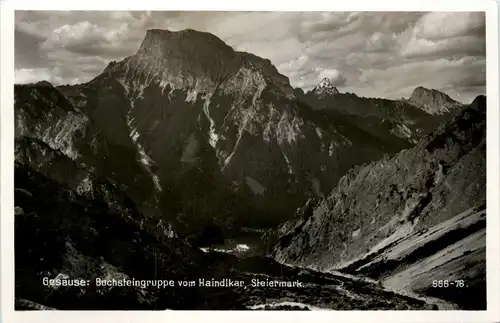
<point>57,123</point>
<point>57,138</point>
<point>376,205</point>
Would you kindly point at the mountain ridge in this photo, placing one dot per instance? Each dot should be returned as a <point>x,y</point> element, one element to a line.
<point>233,126</point>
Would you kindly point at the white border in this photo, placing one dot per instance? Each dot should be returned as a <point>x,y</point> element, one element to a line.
<point>7,162</point>
<point>258,5</point>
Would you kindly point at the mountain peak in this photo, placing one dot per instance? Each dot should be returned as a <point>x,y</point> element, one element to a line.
<point>194,60</point>
<point>182,59</point>
<point>433,101</point>
<point>44,84</point>
<point>421,93</point>
<point>325,87</point>
<point>166,43</point>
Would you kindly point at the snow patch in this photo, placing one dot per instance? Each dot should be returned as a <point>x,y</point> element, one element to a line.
<point>213,137</point>
<point>287,161</point>
<point>319,133</point>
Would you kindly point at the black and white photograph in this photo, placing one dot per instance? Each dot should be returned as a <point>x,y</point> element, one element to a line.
<point>250,160</point>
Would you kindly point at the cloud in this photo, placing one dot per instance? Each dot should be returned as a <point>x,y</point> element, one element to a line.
<point>379,42</point>
<point>399,81</point>
<point>447,34</point>
<point>53,75</point>
<point>384,54</point>
<point>88,39</point>
<point>466,45</point>
<point>335,76</point>
<point>440,25</point>
<point>32,75</point>
<point>27,53</point>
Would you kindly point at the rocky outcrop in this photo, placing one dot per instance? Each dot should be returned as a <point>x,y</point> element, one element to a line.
<point>47,115</point>
<point>58,139</point>
<point>379,205</point>
<point>34,154</point>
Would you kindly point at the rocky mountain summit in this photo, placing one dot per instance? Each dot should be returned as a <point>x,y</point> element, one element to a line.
<point>324,88</point>
<point>433,101</point>
<point>407,219</point>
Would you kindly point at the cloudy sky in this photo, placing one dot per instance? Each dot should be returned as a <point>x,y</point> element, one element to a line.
<point>373,54</point>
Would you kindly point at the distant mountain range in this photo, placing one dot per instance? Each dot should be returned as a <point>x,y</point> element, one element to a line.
<point>432,101</point>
